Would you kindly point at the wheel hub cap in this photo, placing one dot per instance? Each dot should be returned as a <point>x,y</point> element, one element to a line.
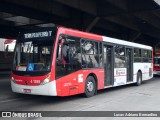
<point>90,86</point>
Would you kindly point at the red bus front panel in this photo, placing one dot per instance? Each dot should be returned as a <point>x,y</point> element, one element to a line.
<point>74,83</point>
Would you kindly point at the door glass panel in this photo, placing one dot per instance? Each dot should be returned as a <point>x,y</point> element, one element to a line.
<point>108,65</point>
<point>129,63</point>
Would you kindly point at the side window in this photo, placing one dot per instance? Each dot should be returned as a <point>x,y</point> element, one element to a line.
<point>150,56</point>
<point>136,52</point>
<point>68,55</point>
<point>119,56</point>
<point>141,55</point>
<point>100,55</point>
<point>145,55</point>
<point>137,55</point>
<point>90,56</point>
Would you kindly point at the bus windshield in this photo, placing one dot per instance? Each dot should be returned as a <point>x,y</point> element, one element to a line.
<point>33,55</point>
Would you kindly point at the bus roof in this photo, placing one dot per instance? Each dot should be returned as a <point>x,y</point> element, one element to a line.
<point>122,42</point>
<point>78,33</point>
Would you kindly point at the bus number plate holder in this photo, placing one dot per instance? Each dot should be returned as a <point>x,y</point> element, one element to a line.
<point>27,90</point>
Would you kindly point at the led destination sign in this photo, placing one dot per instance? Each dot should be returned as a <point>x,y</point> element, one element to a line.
<point>38,34</point>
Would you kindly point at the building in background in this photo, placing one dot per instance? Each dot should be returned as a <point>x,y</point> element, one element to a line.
<point>6,53</point>
<point>10,43</point>
<point>2,44</point>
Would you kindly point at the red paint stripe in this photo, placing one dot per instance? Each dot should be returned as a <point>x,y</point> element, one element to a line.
<point>145,72</point>
<point>119,75</point>
<point>126,75</point>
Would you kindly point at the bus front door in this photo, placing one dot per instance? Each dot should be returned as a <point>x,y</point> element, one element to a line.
<point>108,64</point>
<point>129,64</point>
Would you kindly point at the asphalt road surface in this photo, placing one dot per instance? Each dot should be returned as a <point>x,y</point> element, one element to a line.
<point>124,98</point>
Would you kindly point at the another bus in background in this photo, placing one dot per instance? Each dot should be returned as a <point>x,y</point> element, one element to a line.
<point>156,68</point>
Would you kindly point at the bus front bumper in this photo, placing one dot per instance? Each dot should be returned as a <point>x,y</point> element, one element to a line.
<point>48,89</point>
<point>156,72</point>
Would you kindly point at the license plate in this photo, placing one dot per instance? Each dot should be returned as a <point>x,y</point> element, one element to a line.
<point>27,90</point>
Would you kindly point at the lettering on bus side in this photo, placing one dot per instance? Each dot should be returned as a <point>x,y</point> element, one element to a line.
<point>80,77</point>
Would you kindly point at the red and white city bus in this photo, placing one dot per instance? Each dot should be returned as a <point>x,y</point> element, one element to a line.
<point>63,62</point>
<point>156,69</point>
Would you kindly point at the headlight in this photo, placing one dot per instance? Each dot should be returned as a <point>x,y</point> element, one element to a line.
<point>45,80</point>
<point>13,80</point>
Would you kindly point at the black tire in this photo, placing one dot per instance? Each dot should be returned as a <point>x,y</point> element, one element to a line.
<point>139,79</point>
<point>90,87</point>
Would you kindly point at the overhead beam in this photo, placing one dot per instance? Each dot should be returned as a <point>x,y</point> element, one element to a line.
<point>136,37</point>
<point>150,18</point>
<point>107,25</point>
<point>6,23</point>
<point>123,4</point>
<point>92,24</point>
<point>106,32</point>
<point>88,6</point>
<point>59,12</point>
<point>9,31</point>
<point>142,6</point>
<point>133,24</point>
<point>122,7</point>
<point>45,6</point>
<point>105,8</point>
<point>31,13</point>
<point>123,21</point>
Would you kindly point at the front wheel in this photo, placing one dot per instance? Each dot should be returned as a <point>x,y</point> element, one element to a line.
<point>139,79</point>
<point>90,86</point>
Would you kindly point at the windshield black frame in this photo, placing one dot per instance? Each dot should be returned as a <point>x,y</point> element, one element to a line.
<point>21,39</point>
